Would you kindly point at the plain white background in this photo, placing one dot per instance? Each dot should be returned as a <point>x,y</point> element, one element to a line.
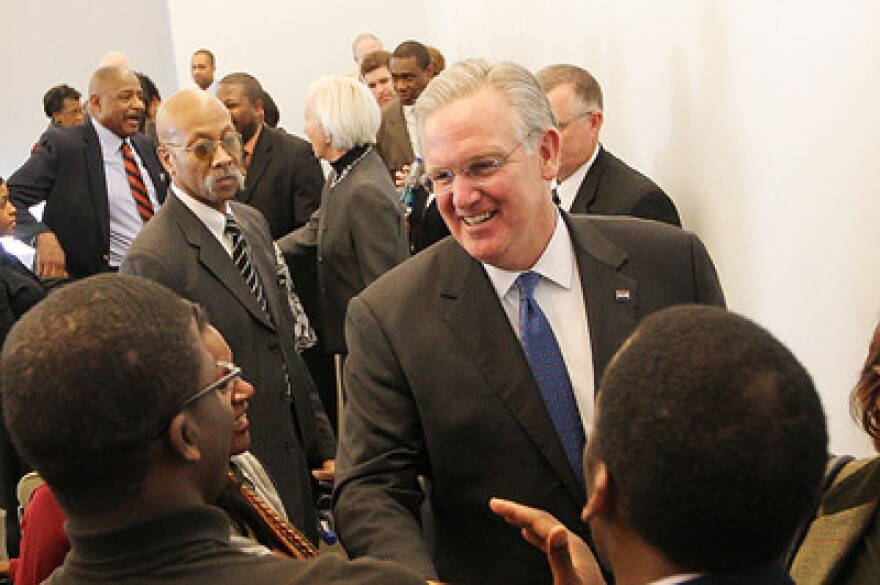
<point>760,119</point>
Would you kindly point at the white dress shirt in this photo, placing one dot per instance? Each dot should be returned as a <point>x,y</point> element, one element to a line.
<point>125,221</point>
<point>214,220</point>
<point>561,297</point>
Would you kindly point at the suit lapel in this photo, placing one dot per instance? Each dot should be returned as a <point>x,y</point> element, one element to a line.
<point>259,163</point>
<point>97,180</point>
<point>477,320</point>
<point>147,151</point>
<point>611,297</point>
<point>215,259</point>
<point>589,188</point>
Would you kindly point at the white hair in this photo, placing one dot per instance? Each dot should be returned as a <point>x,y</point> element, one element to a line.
<point>345,109</point>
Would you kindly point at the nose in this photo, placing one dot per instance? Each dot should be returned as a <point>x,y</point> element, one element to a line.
<point>464,192</point>
<point>242,391</point>
<point>221,156</point>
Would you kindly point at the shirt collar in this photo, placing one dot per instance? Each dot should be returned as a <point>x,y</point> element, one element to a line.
<point>555,263</point>
<point>111,142</point>
<point>214,220</point>
<point>251,144</point>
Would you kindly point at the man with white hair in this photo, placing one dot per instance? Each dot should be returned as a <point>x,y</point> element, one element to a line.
<point>474,363</point>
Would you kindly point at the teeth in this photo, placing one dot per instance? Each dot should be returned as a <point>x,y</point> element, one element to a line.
<point>476,219</point>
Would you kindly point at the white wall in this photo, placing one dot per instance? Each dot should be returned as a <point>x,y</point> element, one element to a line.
<point>759,118</point>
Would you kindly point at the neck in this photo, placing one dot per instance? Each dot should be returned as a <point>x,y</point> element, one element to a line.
<point>635,562</point>
<point>565,171</point>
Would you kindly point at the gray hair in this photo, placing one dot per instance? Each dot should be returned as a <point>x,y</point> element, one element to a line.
<point>531,110</point>
<point>345,109</point>
<point>584,85</point>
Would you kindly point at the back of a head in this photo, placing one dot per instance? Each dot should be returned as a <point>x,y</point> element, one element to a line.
<point>408,49</point>
<point>90,376</point>
<point>532,113</point>
<point>714,438</point>
<point>345,109</point>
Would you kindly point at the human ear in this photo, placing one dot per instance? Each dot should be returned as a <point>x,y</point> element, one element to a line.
<point>183,435</point>
<point>599,503</point>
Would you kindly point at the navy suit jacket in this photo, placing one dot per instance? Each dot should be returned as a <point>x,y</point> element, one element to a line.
<point>67,172</point>
<point>438,385</point>
<point>612,187</point>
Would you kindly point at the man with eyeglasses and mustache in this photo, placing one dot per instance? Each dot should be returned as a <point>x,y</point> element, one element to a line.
<point>474,364</point>
<point>217,252</point>
<point>101,182</point>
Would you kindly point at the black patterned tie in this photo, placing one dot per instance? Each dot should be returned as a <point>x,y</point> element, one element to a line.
<point>241,255</point>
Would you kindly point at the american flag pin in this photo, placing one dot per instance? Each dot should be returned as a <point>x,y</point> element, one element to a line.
<point>622,295</point>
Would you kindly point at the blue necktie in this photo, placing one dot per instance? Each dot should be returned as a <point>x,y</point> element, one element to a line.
<point>545,358</point>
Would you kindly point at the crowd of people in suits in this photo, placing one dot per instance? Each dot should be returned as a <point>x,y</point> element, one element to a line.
<point>534,341</point>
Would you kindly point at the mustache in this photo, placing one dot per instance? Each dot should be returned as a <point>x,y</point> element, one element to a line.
<point>231,172</point>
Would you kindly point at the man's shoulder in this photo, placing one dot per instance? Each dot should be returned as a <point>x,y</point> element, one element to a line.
<point>424,275</point>
<point>620,175</point>
<point>281,138</point>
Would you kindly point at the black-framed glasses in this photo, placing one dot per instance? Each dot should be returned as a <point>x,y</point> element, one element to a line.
<point>223,383</point>
<point>440,182</point>
<point>205,148</point>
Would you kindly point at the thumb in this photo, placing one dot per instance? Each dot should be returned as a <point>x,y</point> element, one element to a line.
<point>560,557</point>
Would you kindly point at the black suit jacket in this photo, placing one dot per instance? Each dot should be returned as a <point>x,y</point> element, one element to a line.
<point>450,395</point>
<point>289,433</point>
<point>284,181</point>
<point>612,187</point>
<point>67,172</point>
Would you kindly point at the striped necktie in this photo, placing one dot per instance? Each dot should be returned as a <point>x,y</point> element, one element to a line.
<point>548,368</point>
<point>241,256</point>
<point>136,182</point>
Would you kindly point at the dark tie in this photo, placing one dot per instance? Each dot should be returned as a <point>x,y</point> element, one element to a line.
<point>241,255</point>
<point>136,182</point>
<point>545,359</point>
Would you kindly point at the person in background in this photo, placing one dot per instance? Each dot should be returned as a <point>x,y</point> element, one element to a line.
<point>271,114</point>
<point>363,44</point>
<point>152,101</point>
<point>203,69</point>
<point>62,106</point>
<point>707,453</point>
<point>359,229</point>
<point>20,289</point>
<point>438,61</point>
<point>591,179</point>
<point>376,75</point>
<point>849,513</point>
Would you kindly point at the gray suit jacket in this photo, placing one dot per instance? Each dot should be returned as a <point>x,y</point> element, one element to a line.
<point>392,139</point>
<point>290,433</point>
<point>438,385</point>
<point>67,172</point>
<point>611,187</point>
<point>360,234</point>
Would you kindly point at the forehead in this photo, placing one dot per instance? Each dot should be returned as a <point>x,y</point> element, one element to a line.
<point>561,98</point>
<point>231,91</point>
<point>405,65</point>
<point>118,83</point>
<point>377,74</point>
<point>473,125</point>
<point>201,59</point>
<point>208,120</point>
<point>216,344</point>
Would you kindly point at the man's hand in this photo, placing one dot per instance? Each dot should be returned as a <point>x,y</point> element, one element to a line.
<point>571,560</point>
<point>50,260</point>
<point>327,472</point>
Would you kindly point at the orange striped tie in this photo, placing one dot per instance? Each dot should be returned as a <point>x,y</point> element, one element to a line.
<point>136,182</point>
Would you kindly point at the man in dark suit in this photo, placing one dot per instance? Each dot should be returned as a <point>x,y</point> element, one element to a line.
<point>192,247</point>
<point>410,72</point>
<point>284,179</point>
<point>451,395</point>
<point>707,454</point>
<point>92,209</point>
<point>591,179</point>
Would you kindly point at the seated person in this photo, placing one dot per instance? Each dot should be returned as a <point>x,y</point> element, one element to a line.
<point>707,452</point>
<point>20,290</point>
<point>257,518</point>
<point>848,515</point>
<point>130,426</point>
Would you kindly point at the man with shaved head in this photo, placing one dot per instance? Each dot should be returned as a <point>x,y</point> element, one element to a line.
<point>219,253</point>
<point>101,182</point>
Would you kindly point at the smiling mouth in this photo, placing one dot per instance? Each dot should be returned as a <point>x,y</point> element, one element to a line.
<point>478,219</point>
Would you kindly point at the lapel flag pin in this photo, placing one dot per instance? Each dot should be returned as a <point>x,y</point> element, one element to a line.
<point>622,295</point>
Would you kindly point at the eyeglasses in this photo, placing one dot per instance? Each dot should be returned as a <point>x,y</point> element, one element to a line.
<point>206,148</point>
<point>440,182</point>
<point>224,383</point>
